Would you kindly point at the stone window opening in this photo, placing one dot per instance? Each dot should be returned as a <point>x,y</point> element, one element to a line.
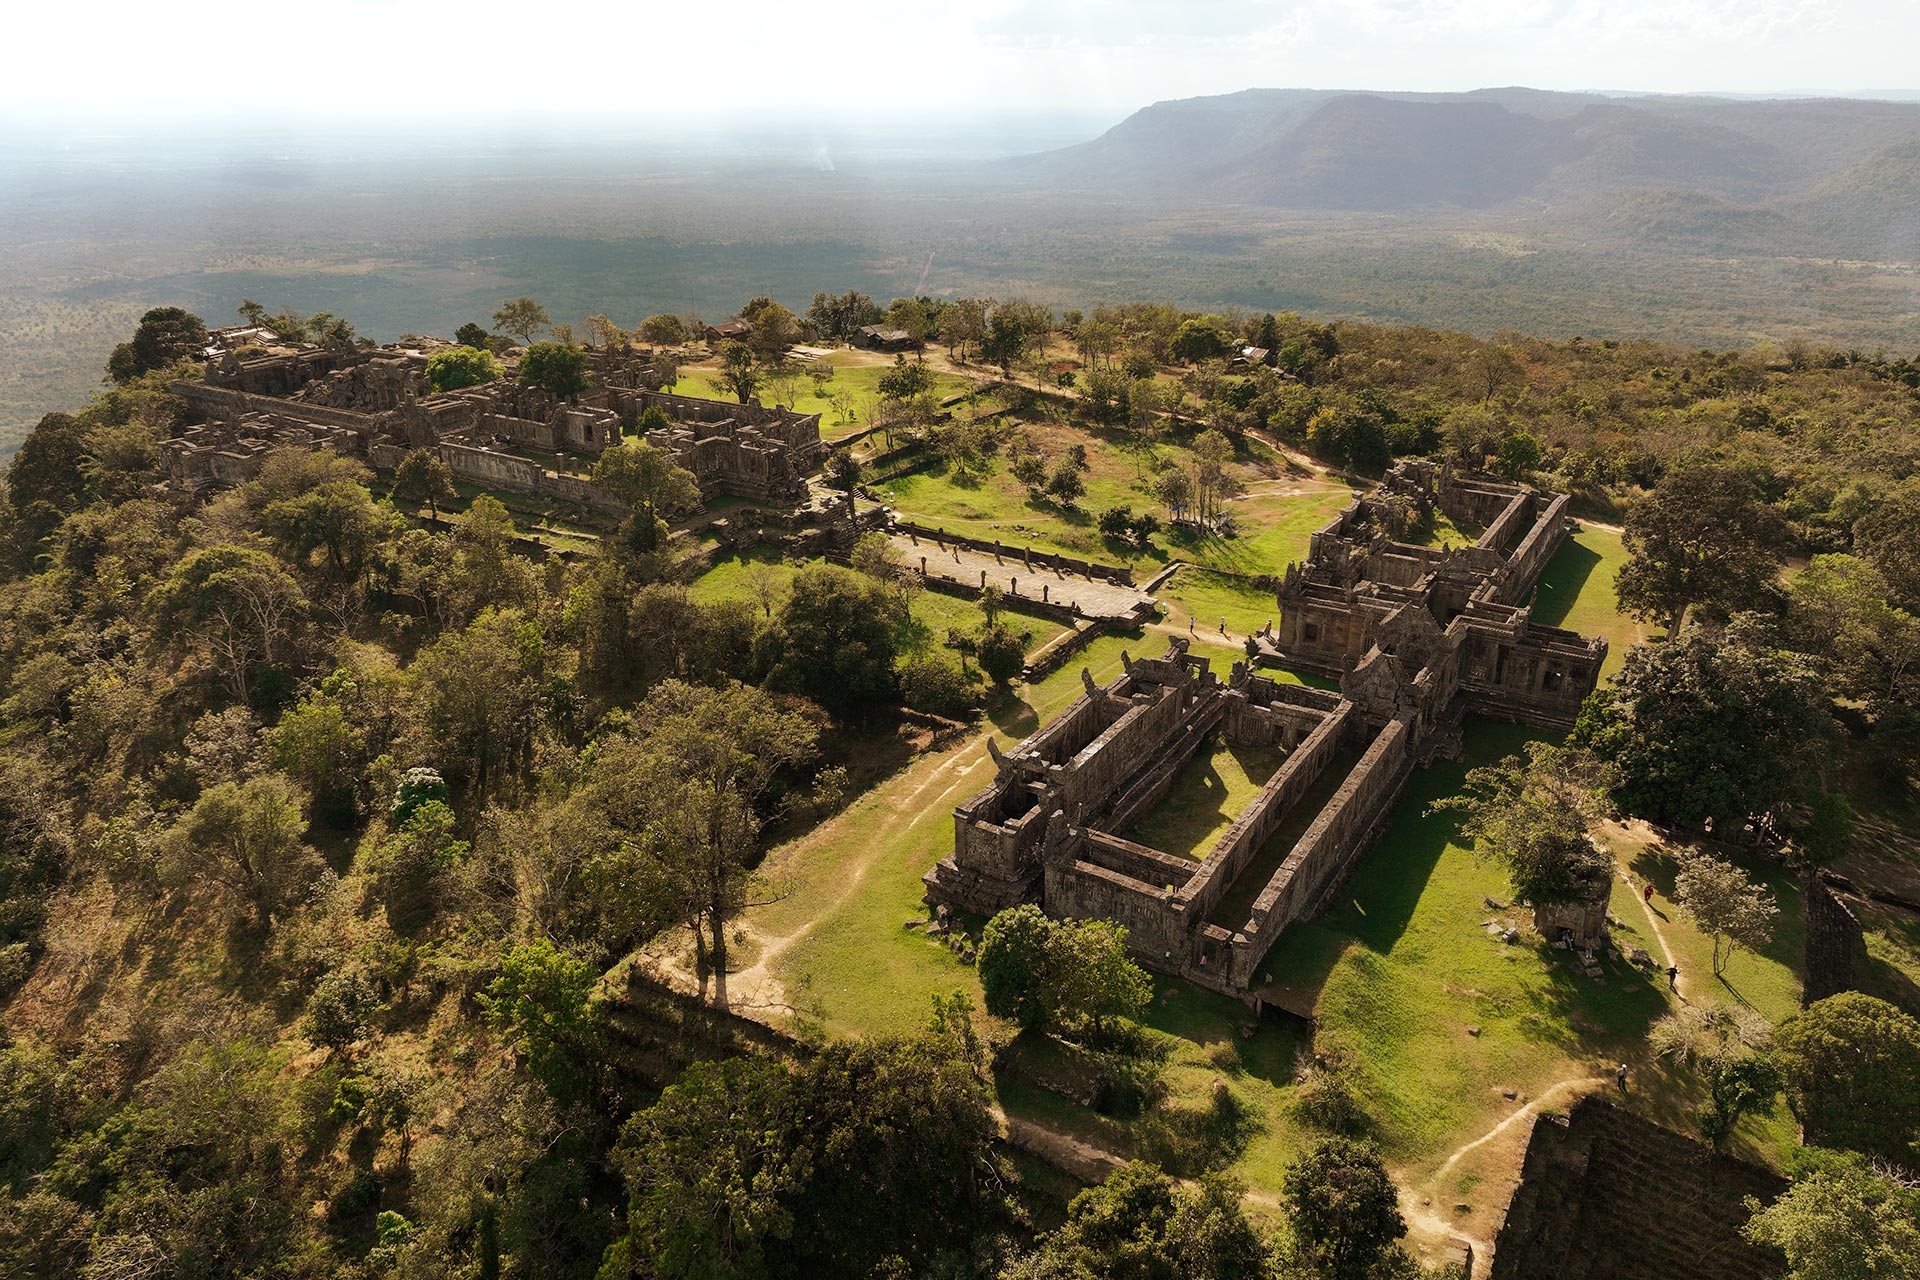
<point>1310,632</point>
<point>1551,680</point>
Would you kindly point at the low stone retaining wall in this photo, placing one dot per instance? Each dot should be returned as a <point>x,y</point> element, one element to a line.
<point>1027,555</point>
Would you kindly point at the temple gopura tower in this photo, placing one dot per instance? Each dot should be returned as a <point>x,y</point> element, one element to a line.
<point>1418,637</point>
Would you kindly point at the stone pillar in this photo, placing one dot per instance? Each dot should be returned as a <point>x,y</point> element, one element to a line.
<point>1043,592</point>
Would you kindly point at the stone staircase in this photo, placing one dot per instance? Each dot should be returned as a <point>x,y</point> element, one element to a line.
<point>1607,1195</point>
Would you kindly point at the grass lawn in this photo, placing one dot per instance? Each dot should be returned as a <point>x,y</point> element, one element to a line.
<point>1275,517</point>
<point>853,371</point>
<point>736,575</point>
<point>1576,592</point>
<point>1207,596</point>
<point>1211,790</point>
<point>1442,530</point>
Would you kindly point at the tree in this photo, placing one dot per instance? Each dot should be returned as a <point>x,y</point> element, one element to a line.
<point>458,367</point>
<point>1888,537</point>
<point>750,1168</point>
<point>843,472</point>
<point>1064,485</point>
<point>738,370</point>
<point>1726,904</point>
<point>483,695</point>
<point>1174,489</point>
<point>336,520</point>
<point>558,368</point>
<point>1851,1069</point>
<point>1016,951</point>
<point>1724,1044</point>
<point>340,1007</point>
<point>907,380</point>
<point>166,336</point>
<point>543,1002</point>
<point>47,478</point>
<point>423,477</point>
<point>695,792</point>
<point>241,606</point>
<point>651,483</point>
<point>246,839</point>
<point>1841,1219</point>
<point>1002,653</point>
<point>521,317</point>
<point>1142,1225</point>
<point>1198,340</point>
<point>605,332</point>
<point>1703,536</point>
<point>1072,975</point>
<point>663,330</point>
<point>1533,815</point>
<point>774,328</point>
<point>318,746</point>
<point>832,640</point>
<point>1346,1214</point>
<point>471,335</point>
<point>1709,725</point>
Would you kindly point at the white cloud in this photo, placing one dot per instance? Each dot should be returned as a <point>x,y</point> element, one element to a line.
<point>631,60</point>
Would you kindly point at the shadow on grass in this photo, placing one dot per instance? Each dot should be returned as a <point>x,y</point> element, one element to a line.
<point>1562,582</point>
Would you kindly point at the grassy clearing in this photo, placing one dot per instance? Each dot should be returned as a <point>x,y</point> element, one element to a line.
<point>854,372</point>
<point>738,575</point>
<point>1275,518</point>
<point>1207,597</point>
<point>1209,793</point>
<point>1576,592</point>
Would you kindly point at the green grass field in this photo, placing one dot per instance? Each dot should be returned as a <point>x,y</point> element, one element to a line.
<point>1576,592</point>
<point>1210,791</point>
<point>851,373</point>
<point>1275,517</point>
<point>738,575</point>
<point>1207,596</point>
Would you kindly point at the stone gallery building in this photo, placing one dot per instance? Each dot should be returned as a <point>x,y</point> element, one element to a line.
<point>1418,638</point>
<point>376,404</point>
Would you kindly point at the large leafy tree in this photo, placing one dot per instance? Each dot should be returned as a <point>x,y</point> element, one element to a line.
<point>423,477</point>
<point>739,370</point>
<point>1851,1069</point>
<point>1069,974</point>
<point>1724,1045</point>
<point>695,790</point>
<point>870,1158</point>
<point>1702,537</point>
<point>246,838</point>
<point>458,367</point>
<point>521,317</point>
<point>1726,905</point>
<point>1711,723</point>
<point>1533,814</point>
<point>646,477</point>
<point>543,1001</point>
<point>1888,537</point>
<point>47,478</point>
<point>558,368</point>
<point>166,335</point>
<point>484,692</point>
<point>1346,1213</point>
<point>241,607</point>
<point>1842,1219</point>
<point>833,639</point>
<point>1140,1224</point>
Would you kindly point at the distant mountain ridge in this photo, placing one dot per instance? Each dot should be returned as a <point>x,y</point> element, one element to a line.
<point>1840,173</point>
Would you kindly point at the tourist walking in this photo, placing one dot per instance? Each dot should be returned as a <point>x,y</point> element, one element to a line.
<point>1621,1076</point>
<point>1673,977</point>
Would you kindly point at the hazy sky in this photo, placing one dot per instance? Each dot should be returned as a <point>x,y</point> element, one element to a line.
<point>891,58</point>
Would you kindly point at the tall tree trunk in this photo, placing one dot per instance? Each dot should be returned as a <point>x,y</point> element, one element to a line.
<point>718,955</point>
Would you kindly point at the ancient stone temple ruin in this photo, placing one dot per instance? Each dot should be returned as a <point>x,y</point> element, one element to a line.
<point>1418,637</point>
<point>376,404</point>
